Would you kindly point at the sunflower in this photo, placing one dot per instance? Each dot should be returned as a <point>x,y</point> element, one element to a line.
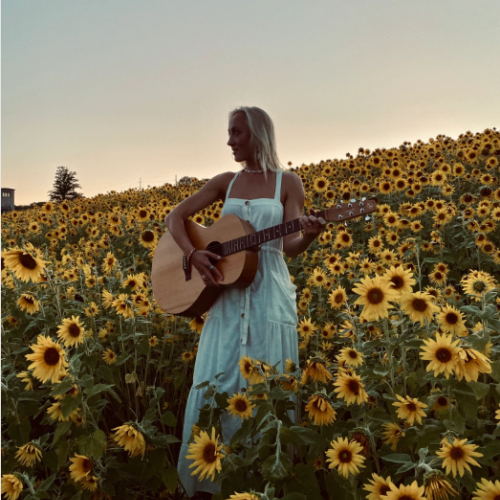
<point>337,298</point>
<point>392,434</point>
<point>351,389</point>
<point>28,454</point>
<point>80,468</point>
<point>306,327</point>
<point>321,184</point>
<point>410,409</point>
<point>243,496</point>
<point>196,324</point>
<point>375,244</point>
<point>24,376</point>
<point>346,456</point>
<point>109,356</point>
<point>452,321</point>
<point>206,455</point>
<point>377,487</point>
<point>487,490</point>
<point>458,455</point>
<point>441,353</point>
<point>418,306</point>
<point>109,263</point>
<point>28,303</point>
<point>437,486</point>
<point>344,239</point>
<point>11,486</point>
<point>71,332</point>
<point>317,371</point>
<point>25,265</point>
<point>470,363</point>
<point>240,406</point>
<point>148,239</point>
<point>318,278</point>
<point>131,439</point>
<point>48,359</point>
<point>400,279</point>
<point>121,306</point>
<point>320,410</point>
<point>246,367</point>
<point>351,356</point>
<point>375,295</point>
<point>410,492</point>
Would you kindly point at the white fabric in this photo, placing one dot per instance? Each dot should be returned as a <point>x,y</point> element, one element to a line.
<point>259,321</point>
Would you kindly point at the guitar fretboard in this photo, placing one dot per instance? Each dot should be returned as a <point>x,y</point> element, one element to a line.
<point>259,237</point>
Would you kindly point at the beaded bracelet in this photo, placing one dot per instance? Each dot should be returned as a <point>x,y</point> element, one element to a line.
<point>191,253</point>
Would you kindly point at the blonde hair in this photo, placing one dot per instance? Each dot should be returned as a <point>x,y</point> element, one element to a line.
<point>262,139</point>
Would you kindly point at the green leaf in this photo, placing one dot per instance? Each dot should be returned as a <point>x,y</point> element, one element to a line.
<point>61,430</point>
<point>405,467</point>
<point>168,418</point>
<point>70,403</point>
<point>92,445</point>
<point>295,496</point>
<point>62,388</point>
<point>98,389</point>
<point>62,452</point>
<point>170,478</point>
<point>306,435</point>
<point>466,399</point>
<point>398,458</point>
<point>479,389</point>
<point>178,379</point>
<point>495,371</point>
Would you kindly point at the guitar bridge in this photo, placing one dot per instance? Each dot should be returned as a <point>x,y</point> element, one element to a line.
<point>186,267</point>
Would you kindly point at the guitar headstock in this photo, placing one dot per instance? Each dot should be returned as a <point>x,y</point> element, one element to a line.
<point>350,210</point>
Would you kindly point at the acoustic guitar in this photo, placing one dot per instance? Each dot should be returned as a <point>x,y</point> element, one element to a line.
<point>178,292</point>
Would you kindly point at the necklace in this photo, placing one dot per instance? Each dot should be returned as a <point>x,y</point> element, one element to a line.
<point>253,171</point>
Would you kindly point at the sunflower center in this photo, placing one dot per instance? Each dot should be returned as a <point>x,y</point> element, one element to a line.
<point>406,497</point>
<point>353,386</point>
<point>479,286</point>
<point>456,453</point>
<point>148,236</point>
<point>443,354</point>
<point>451,318</point>
<point>375,296</point>
<point>28,299</point>
<point>209,453</point>
<point>241,405</point>
<point>442,401</point>
<point>419,305</point>
<point>51,356</point>
<point>27,261</point>
<point>411,407</point>
<point>345,456</point>
<point>74,330</point>
<point>353,354</point>
<point>398,282</point>
<point>383,490</point>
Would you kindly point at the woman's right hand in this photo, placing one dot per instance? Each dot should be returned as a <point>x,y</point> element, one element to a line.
<point>200,260</point>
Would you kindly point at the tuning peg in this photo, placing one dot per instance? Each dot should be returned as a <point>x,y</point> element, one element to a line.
<point>364,198</point>
<point>353,200</point>
<point>367,217</point>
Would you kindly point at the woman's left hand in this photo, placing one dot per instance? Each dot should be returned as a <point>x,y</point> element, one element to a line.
<point>312,226</point>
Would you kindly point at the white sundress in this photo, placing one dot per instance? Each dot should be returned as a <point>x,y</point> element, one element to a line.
<point>259,321</point>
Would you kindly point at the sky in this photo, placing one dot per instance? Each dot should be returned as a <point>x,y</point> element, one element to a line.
<point>131,93</point>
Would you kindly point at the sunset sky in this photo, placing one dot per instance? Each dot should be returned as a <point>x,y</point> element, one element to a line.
<point>122,90</point>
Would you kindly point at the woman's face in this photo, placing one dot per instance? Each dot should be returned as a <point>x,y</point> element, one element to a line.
<point>239,137</point>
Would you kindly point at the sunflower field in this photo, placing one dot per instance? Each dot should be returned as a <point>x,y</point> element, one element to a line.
<point>397,393</point>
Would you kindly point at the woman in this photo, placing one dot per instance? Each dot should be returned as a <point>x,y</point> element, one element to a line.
<point>259,321</point>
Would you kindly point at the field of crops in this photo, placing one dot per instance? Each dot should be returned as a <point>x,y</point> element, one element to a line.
<point>398,387</point>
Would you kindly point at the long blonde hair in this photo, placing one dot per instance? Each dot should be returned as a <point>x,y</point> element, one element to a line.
<point>262,138</point>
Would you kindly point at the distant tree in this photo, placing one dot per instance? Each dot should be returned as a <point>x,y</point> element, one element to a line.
<point>65,185</point>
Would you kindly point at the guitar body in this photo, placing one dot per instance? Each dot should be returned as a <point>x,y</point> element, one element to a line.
<point>192,298</point>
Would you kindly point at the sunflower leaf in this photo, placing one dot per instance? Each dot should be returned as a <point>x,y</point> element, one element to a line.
<point>398,458</point>
<point>70,403</point>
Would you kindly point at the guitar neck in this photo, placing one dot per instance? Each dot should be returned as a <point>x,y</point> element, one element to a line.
<point>268,234</point>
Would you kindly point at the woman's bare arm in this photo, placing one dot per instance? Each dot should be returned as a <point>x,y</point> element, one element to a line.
<point>213,190</point>
<point>294,244</point>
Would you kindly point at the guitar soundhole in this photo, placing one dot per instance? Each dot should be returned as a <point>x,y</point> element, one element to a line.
<point>214,247</point>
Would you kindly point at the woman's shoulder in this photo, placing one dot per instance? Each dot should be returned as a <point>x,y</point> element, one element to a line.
<point>291,179</point>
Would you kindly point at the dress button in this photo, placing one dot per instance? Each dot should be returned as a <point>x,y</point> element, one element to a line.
<point>247,202</point>
<point>242,315</point>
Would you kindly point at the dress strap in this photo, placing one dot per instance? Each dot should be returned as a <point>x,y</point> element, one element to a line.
<point>277,194</point>
<point>231,185</point>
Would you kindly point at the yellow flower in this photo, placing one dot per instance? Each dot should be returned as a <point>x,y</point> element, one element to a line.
<point>470,363</point>
<point>25,265</point>
<point>351,356</point>
<point>205,452</point>
<point>240,405</point>
<point>28,454</point>
<point>306,327</point>
<point>351,389</point>
<point>441,353</point>
<point>11,486</point>
<point>437,486</point>
<point>131,439</point>
<point>71,332</point>
<point>320,410</point>
<point>337,298</point>
<point>410,409</point>
<point>392,434</point>
<point>378,487</point>
<point>410,492</point>
<point>400,279</point>
<point>109,357</point>
<point>418,306</point>
<point>375,295</point>
<point>317,371</point>
<point>28,303</point>
<point>48,360</point>
<point>458,456</point>
<point>452,321</point>
<point>80,468</point>
<point>346,456</point>
<point>487,490</point>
